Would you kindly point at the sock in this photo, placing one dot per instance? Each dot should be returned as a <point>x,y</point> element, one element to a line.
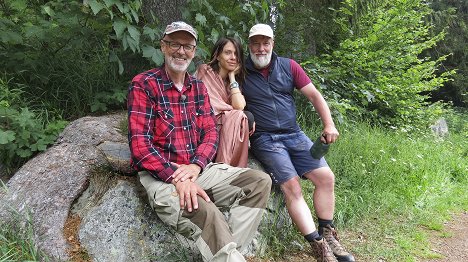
<point>313,236</point>
<point>323,223</point>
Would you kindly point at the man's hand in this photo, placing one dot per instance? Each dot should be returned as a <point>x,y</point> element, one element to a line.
<point>251,132</point>
<point>185,172</point>
<point>330,134</point>
<point>188,192</point>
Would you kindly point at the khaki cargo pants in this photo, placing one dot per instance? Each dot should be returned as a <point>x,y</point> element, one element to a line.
<point>243,192</point>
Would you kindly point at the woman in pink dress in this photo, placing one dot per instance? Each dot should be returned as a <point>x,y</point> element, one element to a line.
<point>222,76</point>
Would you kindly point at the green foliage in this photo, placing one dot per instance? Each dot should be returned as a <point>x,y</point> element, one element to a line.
<point>383,176</point>
<point>104,99</point>
<point>307,28</point>
<point>391,172</point>
<point>379,72</point>
<point>132,33</point>
<point>22,132</point>
<point>457,121</point>
<point>69,52</point>
<point>214,19</point>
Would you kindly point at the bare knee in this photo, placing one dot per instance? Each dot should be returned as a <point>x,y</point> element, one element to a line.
<point>322,177</point>
<point>292,189</point>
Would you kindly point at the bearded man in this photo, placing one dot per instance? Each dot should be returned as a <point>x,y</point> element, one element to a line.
<point>283,148</point>
<point>173,140</point>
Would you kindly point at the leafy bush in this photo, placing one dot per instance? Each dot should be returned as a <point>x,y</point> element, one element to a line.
<point>69,51</point>
<point>378,72</point>
<point>22,132</point>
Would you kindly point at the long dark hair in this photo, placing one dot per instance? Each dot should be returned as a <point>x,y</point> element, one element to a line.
<point>218,48</point>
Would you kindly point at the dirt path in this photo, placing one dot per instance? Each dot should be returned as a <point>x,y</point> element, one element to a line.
<point>451,243</point>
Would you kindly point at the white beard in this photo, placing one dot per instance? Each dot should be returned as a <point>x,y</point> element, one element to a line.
<point>176,66</point>
<point>261,62</point>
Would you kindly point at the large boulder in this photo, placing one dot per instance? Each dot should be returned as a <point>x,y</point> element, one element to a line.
<point>86,175</point>
<point>44,190</point>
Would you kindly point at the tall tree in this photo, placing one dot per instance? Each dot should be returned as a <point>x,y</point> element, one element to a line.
<point>164,11</point>
<point>452,15</point>
<point>380,71</point>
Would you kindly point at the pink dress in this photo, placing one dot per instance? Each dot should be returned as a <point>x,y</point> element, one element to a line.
<point>232,124</point>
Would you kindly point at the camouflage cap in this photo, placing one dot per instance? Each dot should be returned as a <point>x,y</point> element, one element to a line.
<point>180,26</point>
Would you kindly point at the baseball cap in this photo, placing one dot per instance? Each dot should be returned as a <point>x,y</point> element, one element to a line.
<point>261,29</point>
<point>180,26</point>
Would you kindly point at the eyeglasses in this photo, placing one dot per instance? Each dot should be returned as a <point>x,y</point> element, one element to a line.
<point>176,46</point>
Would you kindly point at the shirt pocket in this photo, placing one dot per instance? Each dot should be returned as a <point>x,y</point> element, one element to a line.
<point>164,123</point>
<point>196,119</point>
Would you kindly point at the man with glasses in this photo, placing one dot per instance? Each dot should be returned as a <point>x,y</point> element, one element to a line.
<point>173,139</point>
<point>283,149</point>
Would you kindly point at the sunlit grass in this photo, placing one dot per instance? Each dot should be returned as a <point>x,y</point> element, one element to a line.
<point>391,189</point>
<point>391,186</point>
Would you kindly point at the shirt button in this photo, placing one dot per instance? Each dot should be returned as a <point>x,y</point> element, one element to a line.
<point>182,111</point>
<point>187,145</point>
<point>185,128</point>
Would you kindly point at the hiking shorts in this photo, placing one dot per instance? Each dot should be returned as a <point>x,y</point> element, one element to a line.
<point>285,156</point>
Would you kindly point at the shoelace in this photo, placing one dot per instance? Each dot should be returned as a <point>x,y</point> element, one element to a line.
<point>333,232</point>
<point>326,251</point>
<point>336,240</point>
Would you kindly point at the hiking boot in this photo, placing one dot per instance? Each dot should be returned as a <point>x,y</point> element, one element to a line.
<point>330,235</point>
<point>321,251</point>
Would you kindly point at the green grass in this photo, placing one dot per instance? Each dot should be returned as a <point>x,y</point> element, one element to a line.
<point>391,188</point>
<point>17,244</point>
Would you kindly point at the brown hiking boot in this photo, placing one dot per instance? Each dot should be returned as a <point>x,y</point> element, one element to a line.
<point>321,251</point>
<point>330,235</point>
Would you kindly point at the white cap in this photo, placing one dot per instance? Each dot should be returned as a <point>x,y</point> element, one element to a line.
<point>261,29</point>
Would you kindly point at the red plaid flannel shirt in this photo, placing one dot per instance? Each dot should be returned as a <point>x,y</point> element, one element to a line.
<point>165,125</point>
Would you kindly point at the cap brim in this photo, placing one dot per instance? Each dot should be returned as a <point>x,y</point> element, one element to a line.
<point>178,30</point>
<point>254,34</point>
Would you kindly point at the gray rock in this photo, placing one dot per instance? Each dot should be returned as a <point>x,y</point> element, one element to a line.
<point>45,188</point>
<point>79,175</point>
<point>118,156</point>
<point>440,127</point>
<point>124,229</point>
<point>94,130</point>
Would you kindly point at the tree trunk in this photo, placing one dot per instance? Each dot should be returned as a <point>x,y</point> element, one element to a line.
<point>165,11</point>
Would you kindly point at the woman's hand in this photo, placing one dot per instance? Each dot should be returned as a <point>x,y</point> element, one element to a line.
<point>232,74</point>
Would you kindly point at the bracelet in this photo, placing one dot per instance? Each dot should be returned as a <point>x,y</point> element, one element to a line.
<point>234,85</point>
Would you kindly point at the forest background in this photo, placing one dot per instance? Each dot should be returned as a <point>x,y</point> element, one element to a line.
<point>388,69</point>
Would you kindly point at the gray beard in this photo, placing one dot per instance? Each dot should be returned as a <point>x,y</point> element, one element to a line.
<point>177,68</point>
<point>261,62</point>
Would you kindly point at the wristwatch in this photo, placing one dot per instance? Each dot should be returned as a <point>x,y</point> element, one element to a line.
<point>234,85</point>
